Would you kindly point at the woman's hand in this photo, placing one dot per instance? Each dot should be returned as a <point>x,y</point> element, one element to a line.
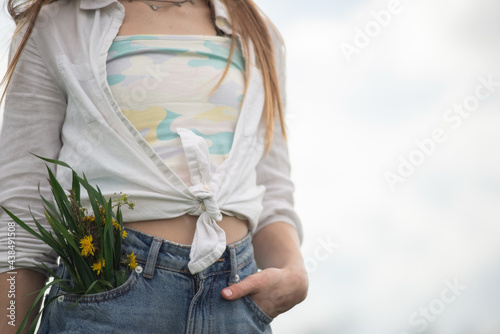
<point>274,290</point>
<point>283,282</point>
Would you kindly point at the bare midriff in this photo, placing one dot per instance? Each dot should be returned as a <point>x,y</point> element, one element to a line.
<point>181,229</point>
<point>189,19</point>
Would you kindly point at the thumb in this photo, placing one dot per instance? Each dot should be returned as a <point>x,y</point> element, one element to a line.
<point>248,286</point>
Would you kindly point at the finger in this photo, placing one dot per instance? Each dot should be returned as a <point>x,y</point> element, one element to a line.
<point>248,286</point>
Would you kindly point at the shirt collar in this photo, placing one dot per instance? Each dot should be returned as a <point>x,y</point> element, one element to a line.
<point>221,16</point>
<point>219,7</point>
<point>95,4</point>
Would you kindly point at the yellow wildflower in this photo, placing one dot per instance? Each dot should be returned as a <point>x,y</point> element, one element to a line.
<point>132,263</point>
<point>88,219</point>
<point>116,225</point>
<point>98,266</point>
<point>124,234</point>
<point>87,246</point>
<point>103,215</point>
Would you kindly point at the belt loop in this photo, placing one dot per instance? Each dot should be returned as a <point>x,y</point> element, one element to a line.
<point>152,256</point>
<point>234,266</point>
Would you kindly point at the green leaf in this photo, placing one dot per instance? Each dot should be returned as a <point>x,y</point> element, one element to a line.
<point>38,297</point>
<point>48,206</point>
<point>57,226</point>
<point>48,238</point>
<point>62,283</point>
<point>22,224</point>
<point>76,188</point>
<point>52,161</point>
<point>32,328</point>
<point>61,198</point>
<point>59,235</point>
<point>119,240</point>
<point>63,216</point>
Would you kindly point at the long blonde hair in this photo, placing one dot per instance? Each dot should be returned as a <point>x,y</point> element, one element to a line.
<point>247,21</point>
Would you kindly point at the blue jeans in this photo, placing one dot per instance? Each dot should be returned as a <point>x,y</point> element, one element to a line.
<point>162,296</point>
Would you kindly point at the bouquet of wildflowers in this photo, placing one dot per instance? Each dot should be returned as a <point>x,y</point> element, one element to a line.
<point>88,243</point>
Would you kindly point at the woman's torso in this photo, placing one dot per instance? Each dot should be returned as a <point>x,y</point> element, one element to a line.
<point>188,19</point>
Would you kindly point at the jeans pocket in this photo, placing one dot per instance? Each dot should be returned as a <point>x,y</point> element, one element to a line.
<point>130,282</point>
<point>252,305</point>
<point>104,312</point>
<point>249,269</point>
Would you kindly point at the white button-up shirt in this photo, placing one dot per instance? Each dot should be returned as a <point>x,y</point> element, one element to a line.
<point>59,105</point>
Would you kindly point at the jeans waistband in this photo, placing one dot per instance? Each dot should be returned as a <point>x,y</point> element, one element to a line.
<point>153,252</point>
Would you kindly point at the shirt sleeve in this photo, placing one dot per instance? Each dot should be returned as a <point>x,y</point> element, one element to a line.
<point>273,171</point>
<point>32,120</point>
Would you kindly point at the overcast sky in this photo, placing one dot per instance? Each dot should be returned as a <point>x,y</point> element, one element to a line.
<point>393,120</point>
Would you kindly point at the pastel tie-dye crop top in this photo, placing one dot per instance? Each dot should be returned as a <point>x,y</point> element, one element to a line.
<point>163,82</point>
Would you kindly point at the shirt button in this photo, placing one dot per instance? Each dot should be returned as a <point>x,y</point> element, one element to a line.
<point>203,207</point>
<point>220,21</point>
<point>207,188</point>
